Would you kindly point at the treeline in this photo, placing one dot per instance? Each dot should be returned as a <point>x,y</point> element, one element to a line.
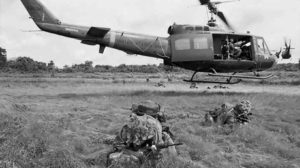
<point>28,65</point>
<point>89,68</point>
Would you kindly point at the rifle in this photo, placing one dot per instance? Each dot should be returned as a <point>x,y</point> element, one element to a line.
<point>120,146</point>
<point>159,147</point>
<point>156,155</point>
<point>243,117</point>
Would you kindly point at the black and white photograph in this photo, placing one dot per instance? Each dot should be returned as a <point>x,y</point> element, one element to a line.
<point>149,84</point>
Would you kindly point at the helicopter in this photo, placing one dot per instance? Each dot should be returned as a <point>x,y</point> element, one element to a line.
<point>207,48</point>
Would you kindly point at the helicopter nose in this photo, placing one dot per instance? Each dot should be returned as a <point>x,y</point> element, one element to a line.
<point>274,59</point>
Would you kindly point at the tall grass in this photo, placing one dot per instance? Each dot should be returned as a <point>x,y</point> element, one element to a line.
<point>64,124</point>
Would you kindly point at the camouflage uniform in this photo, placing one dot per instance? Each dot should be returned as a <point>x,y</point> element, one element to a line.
<point>153,109</point>
<point>141,130</point>
<point>242,111</point>
<point>138,135</point>
<point>229,114</point>
<point>220,115</point>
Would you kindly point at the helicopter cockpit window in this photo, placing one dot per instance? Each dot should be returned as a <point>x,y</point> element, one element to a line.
<point>262,46</point>
<point>182,44</point>
<point>200,43</point>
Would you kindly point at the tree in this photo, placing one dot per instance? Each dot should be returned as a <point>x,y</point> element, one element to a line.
<point>122,68</point>
<point>51,65</point>
<point>3,58</point>
<point>67,69</point>
<point>26,64</point>
<point>88,66</point>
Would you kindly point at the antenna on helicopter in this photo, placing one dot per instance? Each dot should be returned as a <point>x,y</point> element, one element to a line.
<point>30,31</point>
<point>212,6</point>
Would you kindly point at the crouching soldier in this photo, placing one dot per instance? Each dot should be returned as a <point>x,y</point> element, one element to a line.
<point>153,109</point>
<point>142,143</point>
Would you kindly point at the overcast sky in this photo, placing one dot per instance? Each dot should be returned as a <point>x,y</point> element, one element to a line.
<point>272,19</point>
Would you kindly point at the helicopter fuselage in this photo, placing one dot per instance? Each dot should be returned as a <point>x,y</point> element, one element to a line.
<point>196,48</point>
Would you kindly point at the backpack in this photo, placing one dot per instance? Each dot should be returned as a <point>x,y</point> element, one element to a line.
<point>146,107</point>
<point>150,108</point>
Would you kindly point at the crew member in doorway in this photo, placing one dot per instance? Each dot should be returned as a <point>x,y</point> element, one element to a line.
<point>234,49</point>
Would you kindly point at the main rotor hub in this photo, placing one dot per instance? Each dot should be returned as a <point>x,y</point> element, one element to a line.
<point>212,23</point>
<point>213,9</point>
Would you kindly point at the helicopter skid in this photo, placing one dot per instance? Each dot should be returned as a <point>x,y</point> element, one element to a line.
<point>216,82</point>
<point>240,76</point>
<point>229,78</point>
<point>228,81</point>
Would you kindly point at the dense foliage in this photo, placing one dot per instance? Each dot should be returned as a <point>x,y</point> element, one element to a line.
<point>28,65</point>
<point>286,67</point>
<point>25,64</point>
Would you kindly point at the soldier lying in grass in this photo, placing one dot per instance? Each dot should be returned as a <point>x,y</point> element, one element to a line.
<point>228,114</point>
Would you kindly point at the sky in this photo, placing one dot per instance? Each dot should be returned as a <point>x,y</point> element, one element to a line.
<point>272,19</point>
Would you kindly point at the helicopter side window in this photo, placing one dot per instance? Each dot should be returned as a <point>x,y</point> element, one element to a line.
<point>200,43</point>
<point>182,44</point>
<point>199,28</point>
<point>189,28</point>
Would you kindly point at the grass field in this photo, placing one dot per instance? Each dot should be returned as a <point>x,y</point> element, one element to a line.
<point>61,122</point>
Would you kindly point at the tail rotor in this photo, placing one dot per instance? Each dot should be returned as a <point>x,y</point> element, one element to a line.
<point>286,54</point>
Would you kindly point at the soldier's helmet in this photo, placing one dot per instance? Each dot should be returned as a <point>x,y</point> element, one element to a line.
<point>150,108</point>
<point>243,107</point>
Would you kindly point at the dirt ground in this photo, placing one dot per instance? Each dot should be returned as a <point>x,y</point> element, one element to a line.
<point>61,122</point>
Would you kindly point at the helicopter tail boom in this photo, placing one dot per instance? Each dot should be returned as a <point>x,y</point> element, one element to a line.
<point>130,43</point>
<point>46,21</point>
<point>39,13</point>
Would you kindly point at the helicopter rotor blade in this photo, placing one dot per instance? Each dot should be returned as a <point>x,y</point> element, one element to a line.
<point>285,43</point>
<point>224,19</point>
<point>220,2</point>
<point>212,6</point>
<point>204,2</point>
